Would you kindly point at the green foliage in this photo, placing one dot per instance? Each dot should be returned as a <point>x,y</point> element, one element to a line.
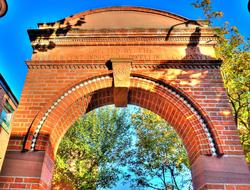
<point>107,145</point>
<point>87,155</point>
<point>233,50</point>
<point>158,159</point>
<point>208,11</point>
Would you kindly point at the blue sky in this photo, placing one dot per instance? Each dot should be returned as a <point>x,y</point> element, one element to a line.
<point>25,14</point>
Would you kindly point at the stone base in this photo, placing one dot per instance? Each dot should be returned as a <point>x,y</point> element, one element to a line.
<point>27,170</point>
<point>220,173</point>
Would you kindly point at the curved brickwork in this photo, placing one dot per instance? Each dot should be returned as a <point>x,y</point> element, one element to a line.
<point>88,95</point>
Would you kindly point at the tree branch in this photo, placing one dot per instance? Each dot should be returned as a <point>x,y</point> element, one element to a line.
<point>173,177</point>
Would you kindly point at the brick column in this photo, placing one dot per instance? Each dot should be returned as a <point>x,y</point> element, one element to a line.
<point>226,172</point>
<point>26,170</point>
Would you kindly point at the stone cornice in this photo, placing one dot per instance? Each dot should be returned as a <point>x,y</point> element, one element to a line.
<point>51,33</point>
<point>50,38</point>
<point>137,65</point>
<point>116,32</point>
<point>109,41</point>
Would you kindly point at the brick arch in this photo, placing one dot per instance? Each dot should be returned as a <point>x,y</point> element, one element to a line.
<point>188,99</point>
<point>52,103</point>
<point>174,107</point>
<point>69,53</point>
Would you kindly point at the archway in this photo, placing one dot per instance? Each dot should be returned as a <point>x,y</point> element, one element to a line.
<point>112,55</point>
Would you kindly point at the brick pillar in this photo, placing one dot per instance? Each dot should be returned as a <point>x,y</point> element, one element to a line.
<point>26,170</point>
<point>226,172</point>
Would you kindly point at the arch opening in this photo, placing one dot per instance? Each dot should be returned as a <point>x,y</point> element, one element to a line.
<point>143,137</point>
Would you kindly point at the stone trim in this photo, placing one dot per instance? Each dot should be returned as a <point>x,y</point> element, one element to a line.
<point>117,41</point>
<point>121,80</point>
<point>168,88</point>
<point>189,64</point>
<point>63,33</point>
<point>137,65</point>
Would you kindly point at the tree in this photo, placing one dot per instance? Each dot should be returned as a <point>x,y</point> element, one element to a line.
<point>88,153</point>
<point>207,8</point>
<point>236,75</point>
<point>233,50</point>
<point>158,159</point>
<point>108,144</point>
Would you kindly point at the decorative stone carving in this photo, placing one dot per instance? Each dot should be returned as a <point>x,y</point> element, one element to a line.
<point>121,73</point>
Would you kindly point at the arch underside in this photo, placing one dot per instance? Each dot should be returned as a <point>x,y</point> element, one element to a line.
<point>144,93</point>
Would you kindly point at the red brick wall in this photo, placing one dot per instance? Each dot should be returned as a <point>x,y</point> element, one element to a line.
<point>19,183</point>
<point>203,87</point>
<point>225,187</point>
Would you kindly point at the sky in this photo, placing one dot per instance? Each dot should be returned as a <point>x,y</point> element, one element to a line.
<point>15,46</point>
